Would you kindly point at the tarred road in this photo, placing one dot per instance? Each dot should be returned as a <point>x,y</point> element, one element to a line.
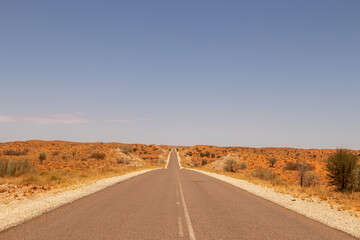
<point>172,203</point>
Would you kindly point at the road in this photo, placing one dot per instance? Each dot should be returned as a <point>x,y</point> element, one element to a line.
<point>172,203</point>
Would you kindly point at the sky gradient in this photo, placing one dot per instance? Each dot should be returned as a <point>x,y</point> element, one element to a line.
<point>226,73</point>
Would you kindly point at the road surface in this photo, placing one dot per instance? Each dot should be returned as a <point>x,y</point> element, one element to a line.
<point>172,203</point>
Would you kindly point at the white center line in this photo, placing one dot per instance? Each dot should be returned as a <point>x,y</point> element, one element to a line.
<point>187,217</point>
<point>181,233</point>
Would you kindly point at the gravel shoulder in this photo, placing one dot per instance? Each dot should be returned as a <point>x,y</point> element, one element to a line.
<point>16,213</point>
<point>315,210</point>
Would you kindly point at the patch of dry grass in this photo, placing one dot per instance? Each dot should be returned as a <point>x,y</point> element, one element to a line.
<point>63,179</point>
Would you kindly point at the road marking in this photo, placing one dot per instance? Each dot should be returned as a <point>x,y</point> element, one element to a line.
<point>167,164</point>
<point>178,159</point>
<point>187,217</point>
<point>181,233</point>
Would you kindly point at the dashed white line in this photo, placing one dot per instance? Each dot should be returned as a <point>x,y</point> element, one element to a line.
<point>181,232</point>
<point>187,217</point>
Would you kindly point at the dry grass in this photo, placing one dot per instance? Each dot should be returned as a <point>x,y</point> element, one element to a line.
<point>320,193</point>
<point>63,179</point>
<point>68,165</point>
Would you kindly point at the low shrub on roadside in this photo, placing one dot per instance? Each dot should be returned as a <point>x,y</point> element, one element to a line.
<point>15,167</point>
<point>311,179</point>
<point>267,175</point>
<point>232,166</point>
<point>264,174</point>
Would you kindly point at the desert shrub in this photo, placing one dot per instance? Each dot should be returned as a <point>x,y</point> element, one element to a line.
<point>311,179</point>
<point>241,166</point>
<point>203,162</point>
<point>357,178</point>
<point>202,154</point>
<point>42,157</point>
<point>212,155</point>
<point>126,149</point>
<point>98,155</point>
<point>296,166</point>
<point>303,169</point>
<point>341,167</point>
<point>12,152</point>
<point>15,167</point>
<point>292,166</point>
<point>229,165</point>
<point>190,154</point>
<point>122,161</point>
<point>207,154</point>
<point>272,161</point>
<point>264,174</point>
<point>56,153</point>
<point>232,166</point>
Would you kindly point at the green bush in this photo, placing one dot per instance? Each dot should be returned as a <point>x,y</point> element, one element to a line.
<point>15,167</point>
<point>341,167</point>
<point>203,162</point>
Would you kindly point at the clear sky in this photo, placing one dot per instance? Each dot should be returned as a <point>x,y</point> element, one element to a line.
<point>227,73</point>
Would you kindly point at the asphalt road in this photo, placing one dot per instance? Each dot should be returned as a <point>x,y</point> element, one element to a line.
<point>172,203</point>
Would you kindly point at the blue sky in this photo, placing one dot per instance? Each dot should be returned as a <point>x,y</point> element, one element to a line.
<point>227,73</point>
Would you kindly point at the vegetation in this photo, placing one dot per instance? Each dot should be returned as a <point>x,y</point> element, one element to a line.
<point>299,166</point>
<point>98,155</point>
<point>341,167</point>
<point>15,167</point>
<point>232,166</point>
<point>126,149</point>
<point>42,157</point>
<point>310,179</point>
<point>264,174</point>
<point>12,152</point>
<point>293,172</point>
<point>272,161</point>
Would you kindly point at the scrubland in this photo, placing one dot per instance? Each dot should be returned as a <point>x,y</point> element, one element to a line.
<point>30,168</point>
<point>299,172</point>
